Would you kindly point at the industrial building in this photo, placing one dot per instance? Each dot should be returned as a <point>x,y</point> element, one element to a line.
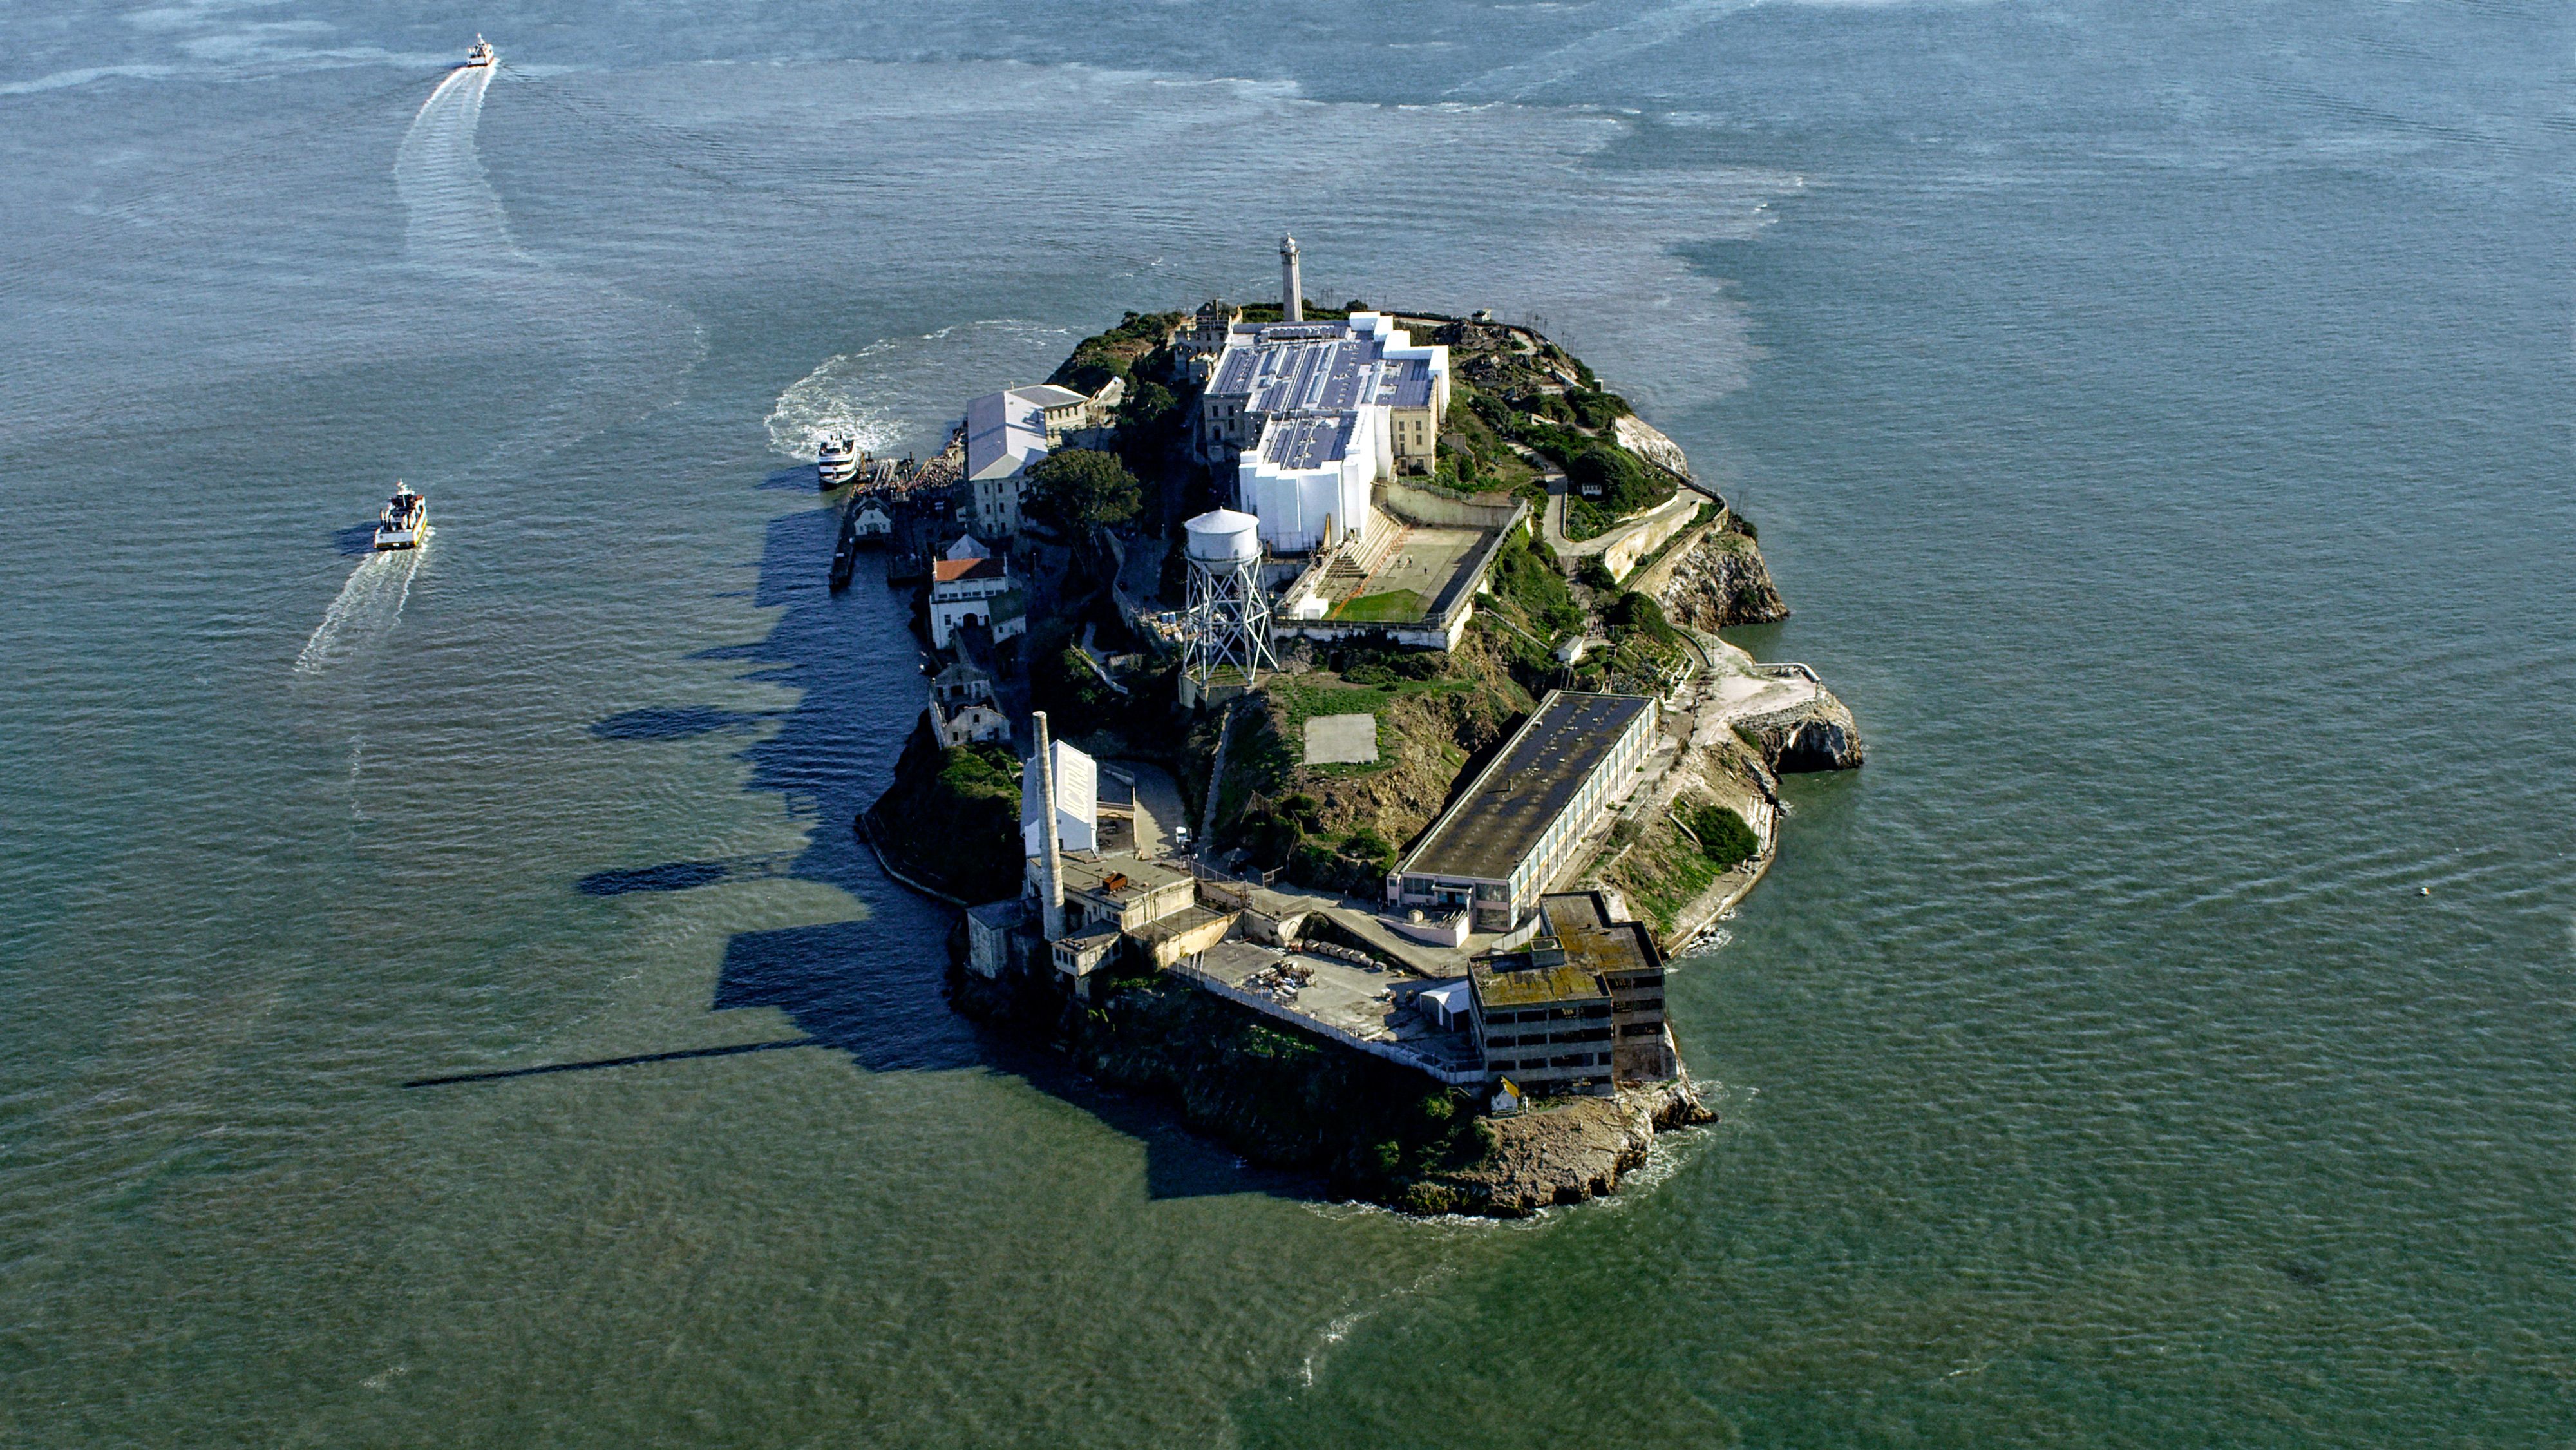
<point>1503,841</point>
<point>1581,1009</point>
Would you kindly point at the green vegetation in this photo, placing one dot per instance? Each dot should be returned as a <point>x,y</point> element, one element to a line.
<point>1072,489</point>
<point>1595,574</point>
<point>1623,483</point>
<point>952,817</point>
<point>1664,872</point>
<point>1525,580</point>
<point>1114,354</point>
<point>1396,606</point>
<point>1595,409</point>
<point>1723,836</point>
<point>1646,652</point>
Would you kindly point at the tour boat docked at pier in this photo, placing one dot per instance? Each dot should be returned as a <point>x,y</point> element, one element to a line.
<point>836,459</point>
<point>482,53</point>
<point>405,520</point>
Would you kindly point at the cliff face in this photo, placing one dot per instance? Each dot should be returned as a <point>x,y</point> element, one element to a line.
<point>1817,735</point>
<point>1722,582</point>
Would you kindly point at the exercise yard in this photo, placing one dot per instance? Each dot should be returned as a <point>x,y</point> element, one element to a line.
<point>1414,575</point>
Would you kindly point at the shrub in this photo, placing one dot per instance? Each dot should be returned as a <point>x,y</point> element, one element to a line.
<point>1724,838</point>
<point>1596,409</point>
<point>1636,613</point>
<point>1596,574</point>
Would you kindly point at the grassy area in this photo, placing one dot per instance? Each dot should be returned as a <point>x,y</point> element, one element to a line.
<point>1396,606</point>
<point>1302,697</point>
<point>1664,872</point>
<point>1113,354</point>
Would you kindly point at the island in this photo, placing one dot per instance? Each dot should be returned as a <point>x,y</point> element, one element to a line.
<point>1326,729</point>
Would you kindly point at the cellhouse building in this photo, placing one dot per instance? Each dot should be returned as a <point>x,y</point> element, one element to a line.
<point>1500,845</point>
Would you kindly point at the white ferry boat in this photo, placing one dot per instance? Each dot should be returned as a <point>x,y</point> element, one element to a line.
<point>405,521</point>
<point>836,459</point>
<point>482,53</point>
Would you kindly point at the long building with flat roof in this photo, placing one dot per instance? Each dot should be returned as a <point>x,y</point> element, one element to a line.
<point>1503,841</point>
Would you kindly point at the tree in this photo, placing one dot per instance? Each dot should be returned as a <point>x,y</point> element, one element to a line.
<point>1074,488</point>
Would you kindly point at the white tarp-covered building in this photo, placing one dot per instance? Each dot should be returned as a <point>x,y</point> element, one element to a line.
<point>1077,803</point>
<point>1314,413</point>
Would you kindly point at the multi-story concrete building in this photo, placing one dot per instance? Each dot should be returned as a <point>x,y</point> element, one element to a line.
<point>1009,431</point>
<point>1503,841</point>
<point>1542,1021</point>
<point>1623,955</point>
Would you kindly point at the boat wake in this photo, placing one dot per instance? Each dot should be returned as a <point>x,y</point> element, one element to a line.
<point>367,606</point>
<point>899,394</point>
<point>456,219</point>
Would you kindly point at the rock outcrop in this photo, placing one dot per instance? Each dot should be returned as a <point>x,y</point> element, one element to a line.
<point>1564,1152</point>
<point>1649,443</point>
<point>1818,734</point>
<point>1722,582</point>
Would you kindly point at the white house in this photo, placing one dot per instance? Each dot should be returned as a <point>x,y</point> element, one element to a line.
<point>1077,803</point>
<point>975,591</point>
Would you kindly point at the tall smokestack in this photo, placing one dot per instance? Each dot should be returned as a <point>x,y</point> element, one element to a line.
<point>1050,845</point>
<point>1292,292</point>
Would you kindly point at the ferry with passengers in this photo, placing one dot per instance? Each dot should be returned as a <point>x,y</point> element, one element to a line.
<point>836,459</point>
<point>405,520</point>
<point>482,54</point>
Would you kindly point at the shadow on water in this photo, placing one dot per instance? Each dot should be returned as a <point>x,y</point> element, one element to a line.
<point>801,477</point>
<point>355,541</point>
<point>674,722</point>
<point>669,876</point>
<point>871,988</point>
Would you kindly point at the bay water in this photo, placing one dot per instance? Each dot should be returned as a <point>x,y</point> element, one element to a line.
<point>2157,416</point>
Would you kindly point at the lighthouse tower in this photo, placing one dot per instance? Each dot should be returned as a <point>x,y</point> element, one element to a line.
<point>1292,293</point>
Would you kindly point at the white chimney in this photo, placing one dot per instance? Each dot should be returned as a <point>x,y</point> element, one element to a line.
<point>1050,862</point>
<point>1292,292</point>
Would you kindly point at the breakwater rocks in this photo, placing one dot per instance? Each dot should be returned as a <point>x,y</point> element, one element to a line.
<point>1562,1152</point>
<point>1818,734</point>
<point>1722,582</point>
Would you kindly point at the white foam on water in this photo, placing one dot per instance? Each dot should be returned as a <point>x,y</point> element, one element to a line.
<point>370,603</point>
<point>900,394</point>
<point>456,219</point>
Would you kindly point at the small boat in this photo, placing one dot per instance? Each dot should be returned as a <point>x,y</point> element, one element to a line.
<point>836,459</point>
<point>482,53</point>
<point>405,520</point>
<point>845,559</point>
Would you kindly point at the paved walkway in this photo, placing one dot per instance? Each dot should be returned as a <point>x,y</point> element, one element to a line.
<point>1158,808</point>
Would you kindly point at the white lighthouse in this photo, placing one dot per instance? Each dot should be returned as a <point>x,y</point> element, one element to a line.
<point>1292,293</point>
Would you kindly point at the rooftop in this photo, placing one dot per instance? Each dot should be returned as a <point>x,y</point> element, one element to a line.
<point>1485,836</point>
<point>1301,443</point>
<point>1119,878</point>
<point>1048,395</point>
<point>1536,986</point>
<point>953,571</point>
<point>1372,1011</point>
<point>1590,939</point>
<point>1005,433</point>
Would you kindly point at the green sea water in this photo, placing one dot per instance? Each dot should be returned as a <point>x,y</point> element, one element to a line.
<point>2158,418</point>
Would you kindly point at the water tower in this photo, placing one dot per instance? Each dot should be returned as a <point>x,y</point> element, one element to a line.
<point>1225,640</point>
